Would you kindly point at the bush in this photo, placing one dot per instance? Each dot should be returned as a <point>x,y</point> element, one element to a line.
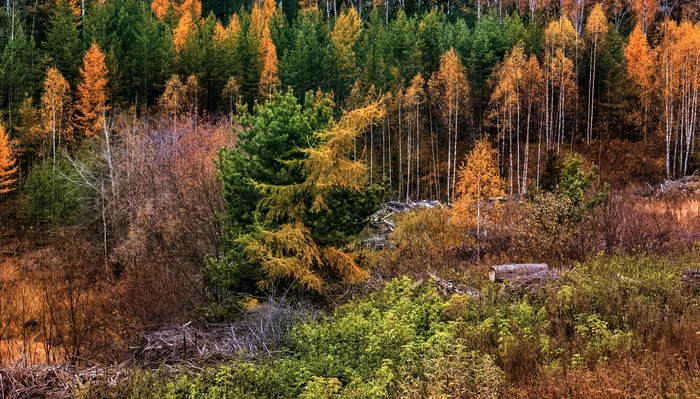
<point>53,193</point>
<point>425,240</point>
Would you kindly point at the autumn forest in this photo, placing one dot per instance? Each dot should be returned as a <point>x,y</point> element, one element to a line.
<point>349,199</point>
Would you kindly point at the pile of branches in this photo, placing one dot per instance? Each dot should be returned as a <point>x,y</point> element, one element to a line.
<point>382,224</point>
<point>28,381</point>
<point>684,185</point>
<point>259,333</point>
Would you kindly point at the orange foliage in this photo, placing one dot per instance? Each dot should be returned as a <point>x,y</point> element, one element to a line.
<point>160,8</point>
<point>91,101</point>
<point>640,68</point>
<point>260,17</point>
<point>8,164</point>
<point>269,80</point>
<point>190,12</point>
<point>478,185</point>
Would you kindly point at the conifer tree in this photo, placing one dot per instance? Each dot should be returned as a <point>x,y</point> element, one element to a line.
<point>450,89</point>
<point>640,69</point>
<point>269,79</point>
<point>190,12</point>
<point>596,29</point>
<point>26,130</point>
<point>63,42</point>
<point>287,249</point>
<point>54,105</point>
<point>478,189</point>
<point>161,7</point>
<point>8,164</point>
<point>346,32</point>
<point>91,102</point>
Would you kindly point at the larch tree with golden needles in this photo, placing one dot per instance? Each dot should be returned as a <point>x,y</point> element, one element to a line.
<point>640,69</point>
<point>533,89</point>
<point>560,40</point>
<point>91,102</point>
<point>414,99</point>
<point>450,88</point>
<point>679,75</point>
<point>8,164</point>
<point>478,189</point>
<point>506,101</point>
<point>161,7</point>
<point>596,30</point>
<point>172,101</point>
<point>269,79</point>
<point>285,248</point>
<point>190,11</point>
<point>54,104</point>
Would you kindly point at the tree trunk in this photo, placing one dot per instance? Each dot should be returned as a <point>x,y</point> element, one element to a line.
<point>516,271</point>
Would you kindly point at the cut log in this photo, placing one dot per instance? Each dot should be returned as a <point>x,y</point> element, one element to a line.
<point>517,271</point>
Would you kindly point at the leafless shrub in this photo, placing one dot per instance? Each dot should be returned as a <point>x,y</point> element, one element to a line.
<point>25,381</point>
<point>259,333</point>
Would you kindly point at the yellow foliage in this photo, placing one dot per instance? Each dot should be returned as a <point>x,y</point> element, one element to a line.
<point>347,30</point>
<point>560,34</point>
<point>53,105</point>
<point>230,33</point>
<point>597,25</point>
<point>289,251</point>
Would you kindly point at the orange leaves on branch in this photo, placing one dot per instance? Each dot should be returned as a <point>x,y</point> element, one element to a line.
<point>640,59</point>
<point>91,103</point>
<point>260,17</point>
<point>182,31</point>
<point>8,164</point>
<point>228,34</point>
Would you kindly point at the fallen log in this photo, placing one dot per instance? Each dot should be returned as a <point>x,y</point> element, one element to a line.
<point>517,271</point>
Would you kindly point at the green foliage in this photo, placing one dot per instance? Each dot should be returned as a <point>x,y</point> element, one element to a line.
<point>53,194</point>
<point>63,42</point>
<point>396,342</point>
<point>292,195</point>
<point>303,64</point>
<point>20,71</point>
<point>406,340</point>
<point>574,183</point>
<point>272,136</point>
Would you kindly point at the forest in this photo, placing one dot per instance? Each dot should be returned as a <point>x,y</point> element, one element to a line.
<point>349,199</point>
